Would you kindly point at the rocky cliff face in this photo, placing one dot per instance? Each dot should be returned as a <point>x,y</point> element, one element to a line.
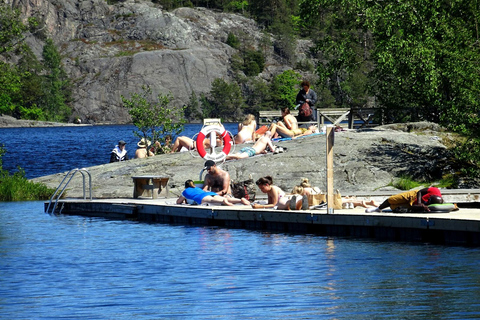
<point>113,50</point>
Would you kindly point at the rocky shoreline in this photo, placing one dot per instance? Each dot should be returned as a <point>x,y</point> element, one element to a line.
<point>11,122</point>
<point>364,160</point>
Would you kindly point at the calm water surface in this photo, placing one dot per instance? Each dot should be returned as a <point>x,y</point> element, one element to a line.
<point>49,150</point>
<point>70,267</point>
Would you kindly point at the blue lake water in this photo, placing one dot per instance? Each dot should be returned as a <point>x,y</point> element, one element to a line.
<point>44,151</point>
<point>71,267</point>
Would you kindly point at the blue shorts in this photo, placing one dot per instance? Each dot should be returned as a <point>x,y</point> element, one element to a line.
<point>248,150</point>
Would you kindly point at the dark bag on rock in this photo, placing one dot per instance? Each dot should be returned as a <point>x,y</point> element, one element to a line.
<point>245,189</point>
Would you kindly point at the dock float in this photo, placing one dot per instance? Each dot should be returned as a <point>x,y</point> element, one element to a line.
<point>453,228</point>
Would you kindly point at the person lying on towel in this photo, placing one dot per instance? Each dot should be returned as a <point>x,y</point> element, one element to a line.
<point>414,200</point>
<point>199,196</point>
<point>258,148</point>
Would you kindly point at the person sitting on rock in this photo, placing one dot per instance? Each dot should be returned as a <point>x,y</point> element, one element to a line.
<point>119,153</point>
<point>258,148</point>
<point>285,128</point>
<point>246,130</point>
<point>200,196</point>
<point>142,151</point>
<point>414,200</point>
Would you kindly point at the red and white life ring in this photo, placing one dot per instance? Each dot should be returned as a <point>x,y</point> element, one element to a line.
<point>213,155</point>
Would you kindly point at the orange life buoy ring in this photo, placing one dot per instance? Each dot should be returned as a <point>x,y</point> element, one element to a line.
<point>226,143</point>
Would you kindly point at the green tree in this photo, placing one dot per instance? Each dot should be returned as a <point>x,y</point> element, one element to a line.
<point>154,119</point>
<point>343,48</point>
<point>226,100</point>
<point>57,89</point>
<point>11,28</point>
<point>285,88</point>
<point>232,41</point>
<point>192,109</point>
<point>10,86</point>
<point>31,93</point>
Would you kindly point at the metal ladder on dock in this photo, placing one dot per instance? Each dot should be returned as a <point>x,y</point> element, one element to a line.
<point>57,195</point>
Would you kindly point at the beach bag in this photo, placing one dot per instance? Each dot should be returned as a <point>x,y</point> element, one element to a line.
<point>316,199</point>
<point>337,200</point>
<point>305,111</point>
<point>245,189</point>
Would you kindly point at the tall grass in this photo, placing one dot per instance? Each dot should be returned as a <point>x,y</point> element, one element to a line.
<point>17,188</point>
<point>407,183</point>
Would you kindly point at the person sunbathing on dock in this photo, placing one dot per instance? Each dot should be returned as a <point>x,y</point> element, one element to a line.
<point>199,196</point>
<point>246,130</point>
<point>414,200</point>
<point>277,198</point>
<point>258,148</point>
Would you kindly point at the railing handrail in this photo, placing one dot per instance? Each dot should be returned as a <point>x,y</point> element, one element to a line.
<point>71,173</point>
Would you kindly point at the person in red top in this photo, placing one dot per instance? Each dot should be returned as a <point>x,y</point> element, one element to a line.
<point>414,200</point>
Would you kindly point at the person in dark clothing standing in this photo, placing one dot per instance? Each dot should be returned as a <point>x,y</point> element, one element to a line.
<point>306,95</point>
<point>119,153</point>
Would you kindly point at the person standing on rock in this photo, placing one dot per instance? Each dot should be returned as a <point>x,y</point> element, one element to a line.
<point>217,180</point>
<point>306,95</point>
<point>119,153</point>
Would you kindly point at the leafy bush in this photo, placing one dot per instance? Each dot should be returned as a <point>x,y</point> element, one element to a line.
<point>154,119</point>
<point>17,188</point>
<point>233,41</point>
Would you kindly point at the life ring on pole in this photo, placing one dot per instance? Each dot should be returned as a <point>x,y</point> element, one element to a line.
<point>213,155</point>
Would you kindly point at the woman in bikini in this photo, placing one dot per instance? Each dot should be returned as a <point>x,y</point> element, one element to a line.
<point>276,196</point>
<point>286,128</point>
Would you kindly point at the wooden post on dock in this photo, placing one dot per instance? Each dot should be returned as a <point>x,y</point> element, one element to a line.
<point>330,140</point>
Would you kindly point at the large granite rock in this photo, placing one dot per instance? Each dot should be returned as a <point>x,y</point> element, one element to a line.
<point>113,50</point>
<point>366,160</point>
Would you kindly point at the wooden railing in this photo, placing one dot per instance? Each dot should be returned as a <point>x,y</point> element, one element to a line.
<point>354,117</point>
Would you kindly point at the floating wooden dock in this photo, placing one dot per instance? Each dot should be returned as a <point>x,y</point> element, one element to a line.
<point>454,228</point>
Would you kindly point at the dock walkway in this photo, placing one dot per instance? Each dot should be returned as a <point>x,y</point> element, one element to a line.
<point>454,228</point>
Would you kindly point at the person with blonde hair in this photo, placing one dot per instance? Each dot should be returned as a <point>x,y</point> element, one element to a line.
<point>246,130</point>
<point>307,187</point>
<point>298,200</point>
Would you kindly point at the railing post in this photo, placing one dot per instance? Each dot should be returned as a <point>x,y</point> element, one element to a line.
<point>330,141</point>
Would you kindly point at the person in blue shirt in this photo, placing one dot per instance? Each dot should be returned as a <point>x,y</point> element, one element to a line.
<point>200,196</point>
